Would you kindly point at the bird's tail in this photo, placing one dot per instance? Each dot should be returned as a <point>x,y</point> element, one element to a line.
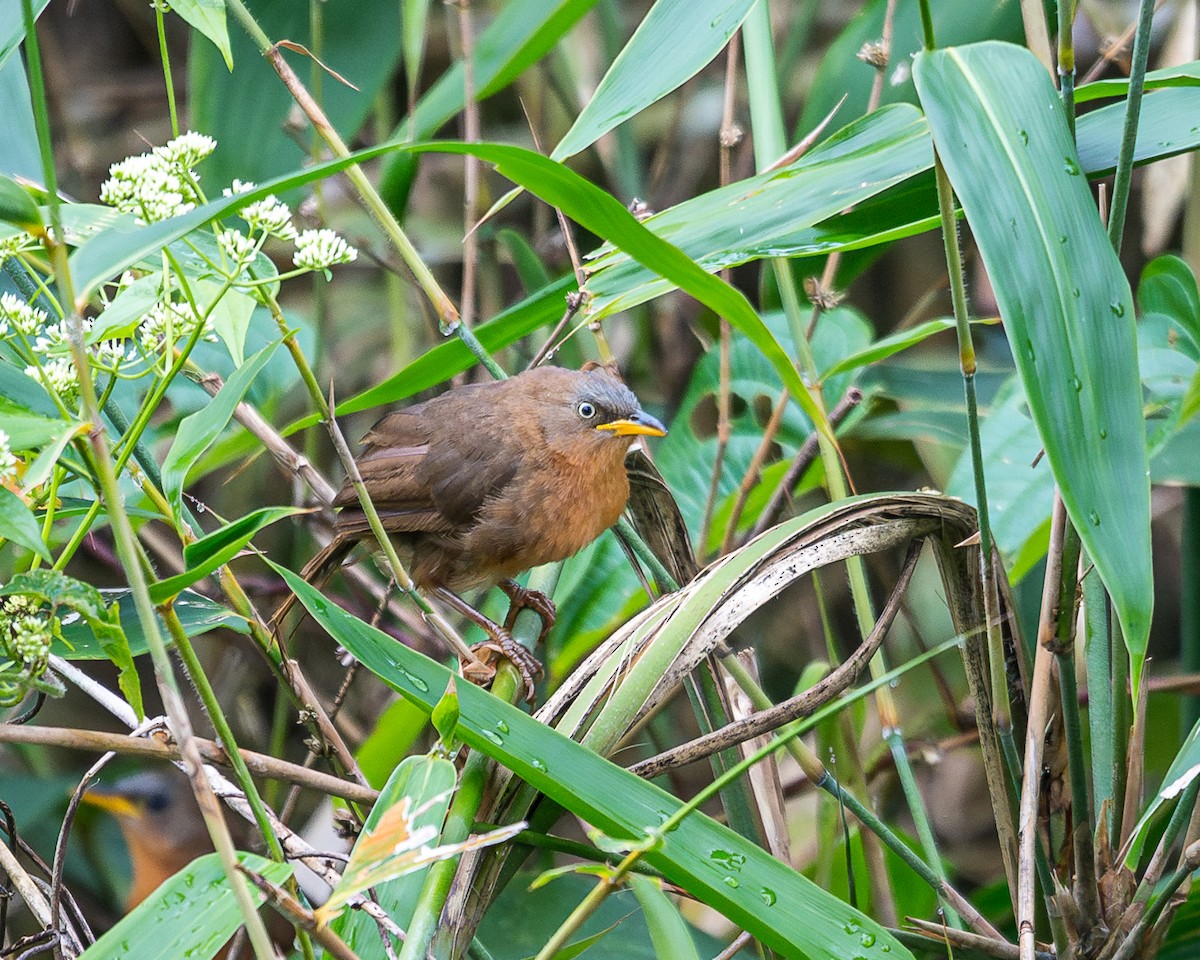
<point>316,573</point>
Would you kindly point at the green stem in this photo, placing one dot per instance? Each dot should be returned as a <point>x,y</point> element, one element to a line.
<point>1066,60</point>
<point>123,535</point>
<point>1133,109</point>
<point>460,821</point>
<point>164,53</point>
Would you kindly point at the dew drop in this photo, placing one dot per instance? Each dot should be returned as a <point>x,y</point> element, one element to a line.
<point>538,764</point>
<point>1024,135</point>
<point>1029,352</point>
<point>1070,166</point>
<point>768,896</point>
<point>1077,384</point>
<point>1103,433</point>
<point>493,736</point>
<point>412,678</point>
<point>867,940</point>
<point>1063,238</point>
<point>1094,517</point>
<point>1118,308</point>
<point>1076,291</point>
<point>501,726</point>
<point>731,882</point>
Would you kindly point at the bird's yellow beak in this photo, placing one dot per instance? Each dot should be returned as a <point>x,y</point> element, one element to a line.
<point>640,424</point>
<point>114,803</point>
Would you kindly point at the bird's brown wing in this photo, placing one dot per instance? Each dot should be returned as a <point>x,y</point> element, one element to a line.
<point>425,475</point>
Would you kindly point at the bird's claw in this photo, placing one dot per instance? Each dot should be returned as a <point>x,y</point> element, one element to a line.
<point>503,645</point>
<point>520,598</point>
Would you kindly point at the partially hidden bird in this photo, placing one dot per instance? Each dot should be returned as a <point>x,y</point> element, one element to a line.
<point>164,832</point>
<point>488,480</point>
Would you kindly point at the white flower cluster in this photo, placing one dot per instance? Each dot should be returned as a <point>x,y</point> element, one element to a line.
<point>161,184</point>
<point>20,316</point>
<point>166,323</point>
<point>17,243</point>
<point>321,249</point>
<point>8,460</point>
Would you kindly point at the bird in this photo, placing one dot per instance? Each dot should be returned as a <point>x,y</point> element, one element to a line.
<point>488,480</point>
<point>164,832</point>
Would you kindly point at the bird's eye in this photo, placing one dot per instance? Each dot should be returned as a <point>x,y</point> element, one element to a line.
<point>158,801</point>
<point>586,410</point>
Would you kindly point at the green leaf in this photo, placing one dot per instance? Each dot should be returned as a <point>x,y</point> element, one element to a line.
<point>414,13</point>
<point>424,779</point>
<point>39,469</point>
<point>668,930</point>
<point>1067,307</point>
<point>207,16</point>
<point>1161,133</point>
<point>1184,768</point>
<point>890,346</point>
<point>1184,75</point>
<point>779,906</point>
<point>445,716</point>
<point>680,37</point>
<point>27,431</point>
<point>601,213</point>
<point>1168,286</point>
<point>87,605</point>
<point>197,431</point>
<point>217,549</point>
<point>158,927</point>
<point>12,25</point>
<point>121,317</point>
<point>772,214</point>
<point>196,612</point>
<point>17,207</point>
<point>18,524</point>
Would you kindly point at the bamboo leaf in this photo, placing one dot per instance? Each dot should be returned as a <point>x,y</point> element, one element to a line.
<point>1067,307</point>
<point>694,31</point>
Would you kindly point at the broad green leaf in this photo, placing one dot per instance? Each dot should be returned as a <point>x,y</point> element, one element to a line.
<point>18,524</point>
<point>680,37</point>
<point>12,26</point>
<point>840,72</point>
<point>772,214</point>
<point>84,604</point>
<point>196,612</point>
<point>217,549</point>
<point>197,431</point>
<point>1162,132</point>
<point>190,917</point>
<point>599,212</point>
<point>1066,304</point>
<point>424,780</point>
<point>779,906</point>
<point>40,467</point>
<point>19,148</point>
<point>17,207</point>
<point>668,930</point>
<point>22,394</point>
<point>121,317</point>
<point>1184,768</point>
<point>1168,286</point>
<point>413,14</point>
<point>890,346</point>
<point>27,431</point>
<point>207,16</point>
<point>1184,75</point>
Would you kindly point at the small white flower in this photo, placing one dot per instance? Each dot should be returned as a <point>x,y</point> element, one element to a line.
<point>187,149</point>
<point>58,375</point>
<point>8,462</point>
<point>111,355</point>
<point>25,319</point>
<point>149,186</point>
<point>236,246</point>
<point>167,323</point>
<point>321,249</point>
<point>270,216</point>
<point>238,186</point>
<point>11,246</point>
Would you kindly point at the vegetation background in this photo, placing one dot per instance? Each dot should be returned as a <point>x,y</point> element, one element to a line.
<point>789,147</point>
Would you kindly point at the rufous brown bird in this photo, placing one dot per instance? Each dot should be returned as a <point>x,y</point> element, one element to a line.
<point>489,480</point>
<point>164,832</point>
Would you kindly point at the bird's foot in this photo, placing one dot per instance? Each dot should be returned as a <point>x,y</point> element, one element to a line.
<point>520,599</point>
<point>503,645</point>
